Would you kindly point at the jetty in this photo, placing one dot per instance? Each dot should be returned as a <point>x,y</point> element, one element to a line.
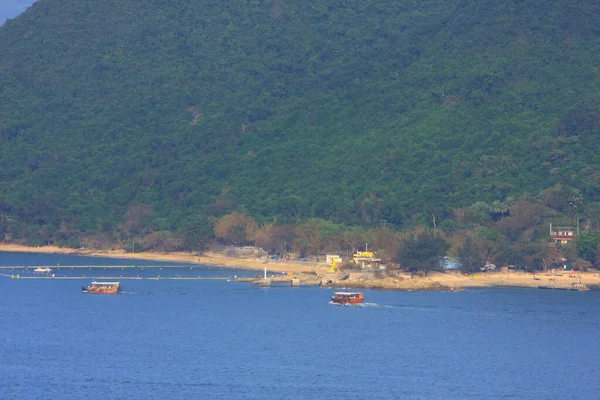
<point>149,278</point>
<point>281,280</point>
<point>123,267</point>
<point>97,272</point>
<point>573,286</point>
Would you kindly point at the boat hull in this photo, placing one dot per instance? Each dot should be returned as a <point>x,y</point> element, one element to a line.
<point>99,291</point>
<point>102,288</point>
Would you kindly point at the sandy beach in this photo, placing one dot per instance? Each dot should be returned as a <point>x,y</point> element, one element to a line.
<point>435,280</point>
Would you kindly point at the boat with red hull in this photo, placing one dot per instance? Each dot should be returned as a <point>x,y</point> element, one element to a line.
<point>102,288</point>
<point>347,298</point>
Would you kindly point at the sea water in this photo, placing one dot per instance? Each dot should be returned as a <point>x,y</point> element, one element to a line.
<point>216,339</point>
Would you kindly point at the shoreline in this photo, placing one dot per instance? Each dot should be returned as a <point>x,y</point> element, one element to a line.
<point>441,281</point>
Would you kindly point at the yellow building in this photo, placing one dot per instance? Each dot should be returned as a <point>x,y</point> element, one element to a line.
<point>366,259</point>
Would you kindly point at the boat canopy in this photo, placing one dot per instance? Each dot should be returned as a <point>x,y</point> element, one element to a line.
<point>347,293</point>
<point>106,283</point>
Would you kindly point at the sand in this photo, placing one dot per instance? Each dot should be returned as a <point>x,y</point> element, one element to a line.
<point>519,279</point>
<point>435,280</point>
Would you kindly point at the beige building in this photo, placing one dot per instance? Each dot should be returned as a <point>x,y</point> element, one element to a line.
<point>563,234</point>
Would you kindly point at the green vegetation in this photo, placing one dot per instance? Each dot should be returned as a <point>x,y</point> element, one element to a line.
<point>150,122</point>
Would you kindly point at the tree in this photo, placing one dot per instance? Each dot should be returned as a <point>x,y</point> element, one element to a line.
<point>569,251</point>
<point>353,240</point>
<point>423,250</point>
<point>197,231</point>
<point>524,215</point>
<point>552,257</point>
<point>587,245</point>
<point>136,218</point>
<point>479,213</point>
<point>369,207</point>
<point>384,240</point>
<point>561,198</point>
<point>263,237</point>
<point>237,228</point>
<point>474,252</point>
<point>283,237</point>
<point>163,241</point>
<point>45,234</point>
<point>526,254</point>
<point>220,207</point>
<point>591,216</point>
<point>315,235</point>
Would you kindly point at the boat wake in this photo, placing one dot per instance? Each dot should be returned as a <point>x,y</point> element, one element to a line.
<point>392,306</point>
<point>153,293</point>
<point>370,305</point>
<point>356,305</point>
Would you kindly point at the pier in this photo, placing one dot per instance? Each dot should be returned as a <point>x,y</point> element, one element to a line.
<point>575,287</point>
<point>150,278</point>
<point>58,272</point>
<point>281,281</point>
<point>98,266</point>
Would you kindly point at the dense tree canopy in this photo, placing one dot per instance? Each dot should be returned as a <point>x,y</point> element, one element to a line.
<point>120,119</point>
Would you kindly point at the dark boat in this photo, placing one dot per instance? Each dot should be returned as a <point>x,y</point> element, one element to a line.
<point>347,298</point>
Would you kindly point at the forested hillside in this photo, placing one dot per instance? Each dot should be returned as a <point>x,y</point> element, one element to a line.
<point>354,112</point>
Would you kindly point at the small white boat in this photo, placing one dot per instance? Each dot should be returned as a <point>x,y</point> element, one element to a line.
<point>43,270</point>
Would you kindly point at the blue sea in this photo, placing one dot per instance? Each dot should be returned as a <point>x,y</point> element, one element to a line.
<point>216,339</point>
